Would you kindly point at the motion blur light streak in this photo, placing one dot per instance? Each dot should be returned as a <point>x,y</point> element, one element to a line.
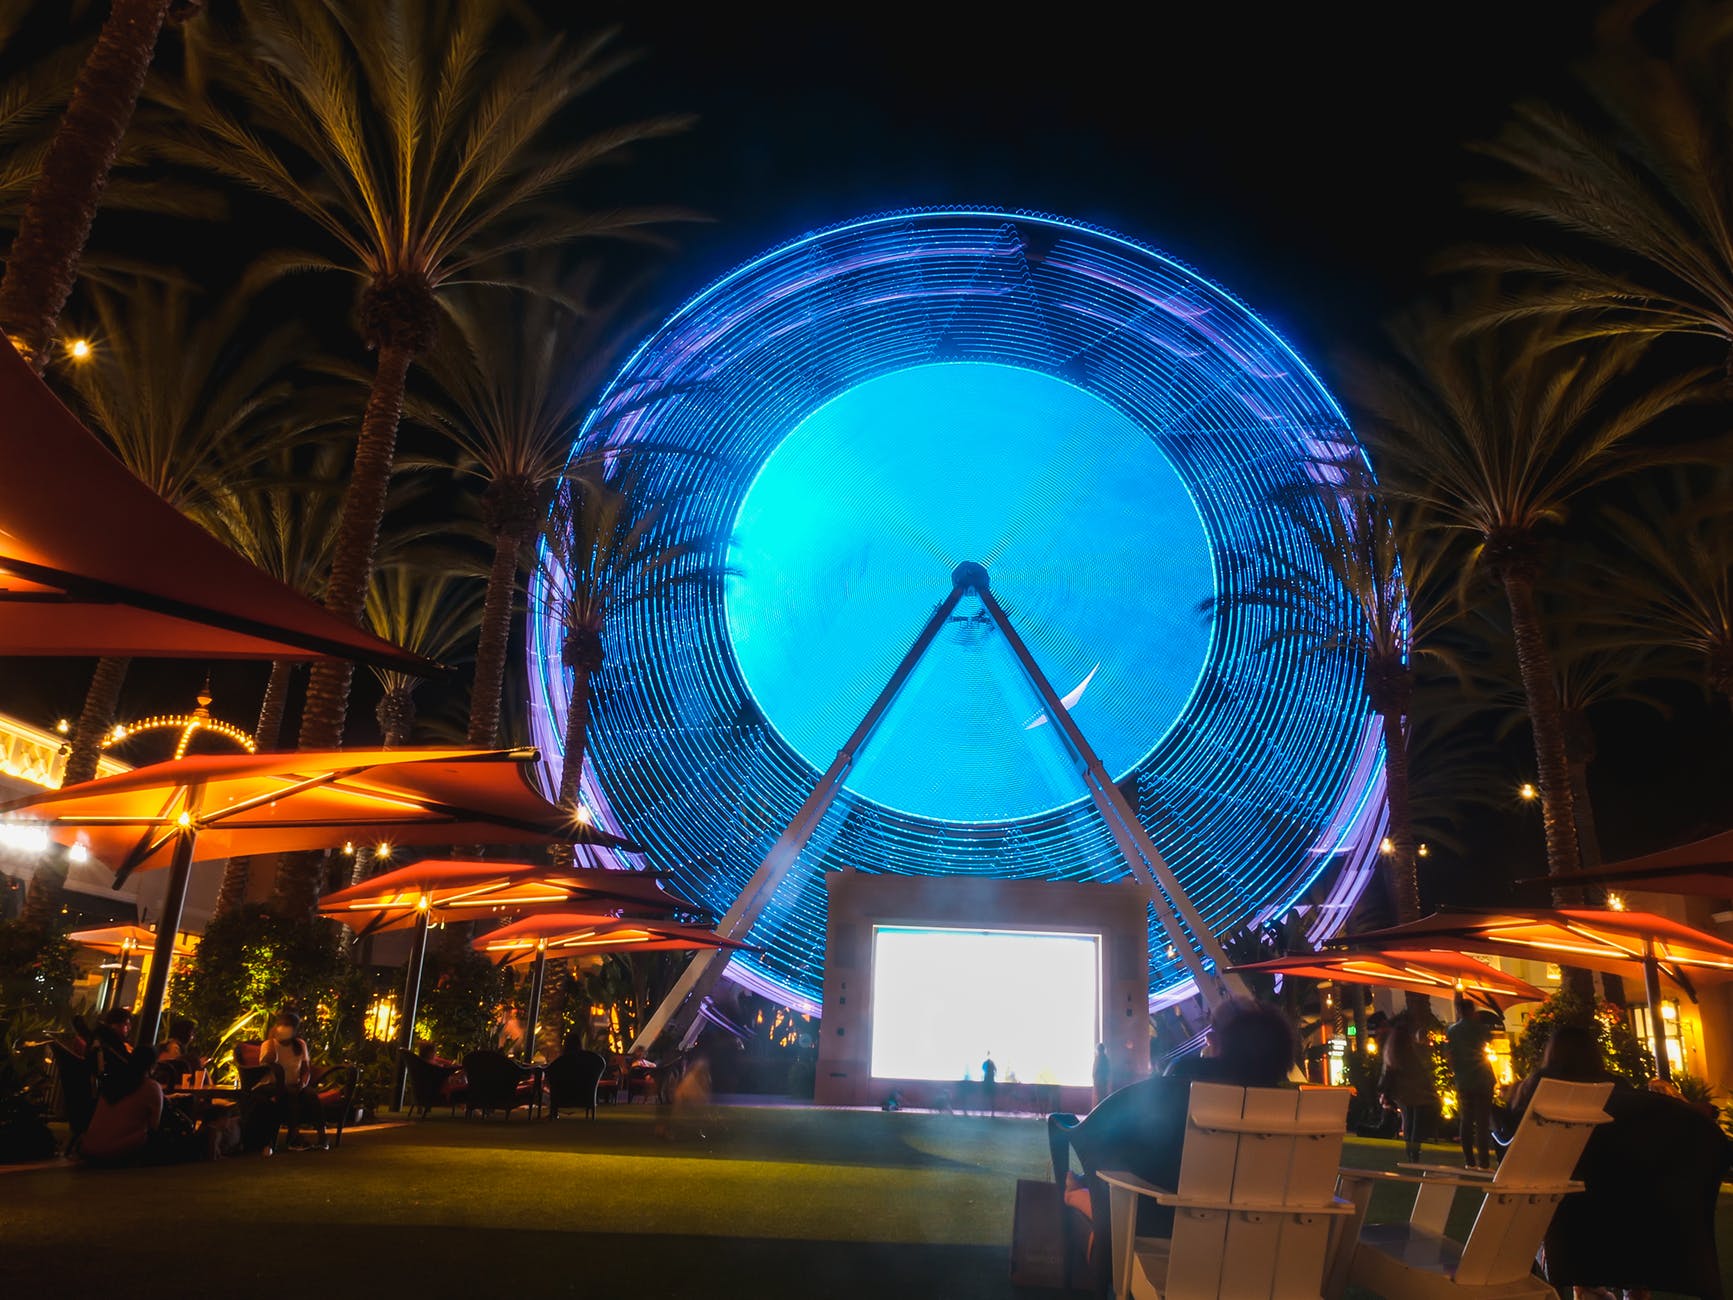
<point>1102,428</point>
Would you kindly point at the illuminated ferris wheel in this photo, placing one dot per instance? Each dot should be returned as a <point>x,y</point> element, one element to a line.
<point>984,475</point>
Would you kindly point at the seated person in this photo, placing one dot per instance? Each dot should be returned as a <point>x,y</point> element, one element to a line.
<point>1141,1127</point>
<point>174,1055</point>
<point>285,1051</point>
<point>1571,1054</point>
<point>135,1128</point>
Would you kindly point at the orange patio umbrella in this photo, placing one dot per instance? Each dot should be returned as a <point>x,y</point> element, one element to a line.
<point>206,806</point>
<point>92,562</point>
<point>1701,867</point>
<point>459,889</point>
<point>578,934</point>
<point>122,941</point>
<point>1437,974</point>
<point>1628,944</point>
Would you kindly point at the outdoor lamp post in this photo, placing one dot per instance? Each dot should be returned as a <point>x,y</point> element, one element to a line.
<point>412,997</point>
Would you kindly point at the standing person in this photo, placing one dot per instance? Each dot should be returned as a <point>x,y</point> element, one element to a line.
<point>1408,1084</point>
<point>1102,1075</point>
<point>1466,1043</point>
<point>989,1074</point>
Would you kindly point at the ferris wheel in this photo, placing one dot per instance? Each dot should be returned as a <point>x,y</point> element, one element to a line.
<point>983,477</point>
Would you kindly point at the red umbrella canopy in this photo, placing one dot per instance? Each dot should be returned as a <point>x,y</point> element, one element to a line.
<point>1437,974</point>
<point>1701,867</point>
<point>233,804</point>
<point>92,562</point>
<point>133,938</point>
<point>463,889</point>
<point>573,934</point>
<point>1598,939</point>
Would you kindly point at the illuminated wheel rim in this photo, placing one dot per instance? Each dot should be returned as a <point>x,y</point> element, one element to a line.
<point>866,407</point>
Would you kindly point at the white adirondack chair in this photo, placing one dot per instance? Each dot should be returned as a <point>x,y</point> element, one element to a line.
<point>1416,1261</point>
<point>1256,1202</point>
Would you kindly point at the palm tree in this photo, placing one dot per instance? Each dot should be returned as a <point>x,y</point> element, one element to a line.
<point>176,398</point>
<point>1494,433</point>
<point>42,263</point>
<point>515,377</point>
<point>1372,583</point>
<point>423,139</point>
<point>606,546</point>
<point>431,607</point>
<point>1674,587</point>
<point>1636,189</point>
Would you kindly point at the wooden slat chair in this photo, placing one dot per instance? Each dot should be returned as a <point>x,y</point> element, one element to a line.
<point>1416,1260</point>
<point>1255,1207</point>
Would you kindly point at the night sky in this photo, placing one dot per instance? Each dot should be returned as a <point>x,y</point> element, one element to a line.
<point>1309,158</point>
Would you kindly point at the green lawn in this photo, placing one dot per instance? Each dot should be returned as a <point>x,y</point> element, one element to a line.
<point>749,1201</point>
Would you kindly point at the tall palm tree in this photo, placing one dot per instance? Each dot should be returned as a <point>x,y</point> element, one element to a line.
<point>514,379</point>
<point>42,263</point>
<point>606,546</point>
<point>1674,586</point>
<point>422,138</point>
<point>430,607</point>
<point>1633,193</point>
<point>177,392</point>
<point>1494,433</point>
<point>1373,583</point>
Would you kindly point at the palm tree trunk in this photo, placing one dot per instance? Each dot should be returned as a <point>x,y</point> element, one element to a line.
<point>267,735</point>
<point>488,689</point>
<point>94,720</point>
<point>43,262</point>
<point>1546,718</point>
<point>396,714</point>
<point>577,736</point>
<point>327,705</point>
<point>42,898</point>
<point>1552,769</point>
<point>1401,869</point>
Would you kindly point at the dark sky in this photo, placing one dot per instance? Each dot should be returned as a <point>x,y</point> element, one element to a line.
<point>1309,157</point>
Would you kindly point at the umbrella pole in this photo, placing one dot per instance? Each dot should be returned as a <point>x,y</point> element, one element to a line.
<point>411,1004</point>
<point>167,927</point>
<point>537,974</point>
<point>1657,1024</point>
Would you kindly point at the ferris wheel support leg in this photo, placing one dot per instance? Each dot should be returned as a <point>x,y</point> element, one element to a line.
<point>1142,858</point>
<point>686,998</point>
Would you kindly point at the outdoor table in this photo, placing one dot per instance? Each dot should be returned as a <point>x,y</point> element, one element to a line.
<point>200,1103</point>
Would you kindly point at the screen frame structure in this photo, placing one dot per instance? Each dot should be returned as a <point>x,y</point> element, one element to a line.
<point>858,902</point>
<point>1095,939</point>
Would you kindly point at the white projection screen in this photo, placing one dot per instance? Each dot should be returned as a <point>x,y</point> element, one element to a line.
<point>944,999</point>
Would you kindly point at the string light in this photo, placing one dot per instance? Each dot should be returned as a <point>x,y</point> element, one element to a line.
<point>1526,792</point>
<point>79,349</point>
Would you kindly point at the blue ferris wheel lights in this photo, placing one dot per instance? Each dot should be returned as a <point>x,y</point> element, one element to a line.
<point>1102,428</point>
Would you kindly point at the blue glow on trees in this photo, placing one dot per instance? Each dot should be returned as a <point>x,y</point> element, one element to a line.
<point>865,407</point>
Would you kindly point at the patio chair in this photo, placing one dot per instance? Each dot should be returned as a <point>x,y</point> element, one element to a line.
<point>1255,1210</point>
<point>250,1073</point>
<point>429,1084</point>
<point>608,1086</point>
<point>572,1078</point>
<point>335,1086</point>
<point>1416,1261</point>
<point>496,1082</point>
<point>76,1077</point>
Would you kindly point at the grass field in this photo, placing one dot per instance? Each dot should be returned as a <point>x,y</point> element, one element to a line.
<point>742,1201</point>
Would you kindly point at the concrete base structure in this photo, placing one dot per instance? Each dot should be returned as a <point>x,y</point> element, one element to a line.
<point>858,903</point>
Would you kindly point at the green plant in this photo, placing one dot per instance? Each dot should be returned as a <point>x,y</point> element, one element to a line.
<point>24,1133</point>
<point>253,963</point>
<point>459,992</point>
<point>35,966</point>
<point>1621,1053</point>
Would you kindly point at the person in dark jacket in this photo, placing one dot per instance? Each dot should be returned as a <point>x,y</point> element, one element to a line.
<point>1408,1083</point>
<point>1141,1127</point>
